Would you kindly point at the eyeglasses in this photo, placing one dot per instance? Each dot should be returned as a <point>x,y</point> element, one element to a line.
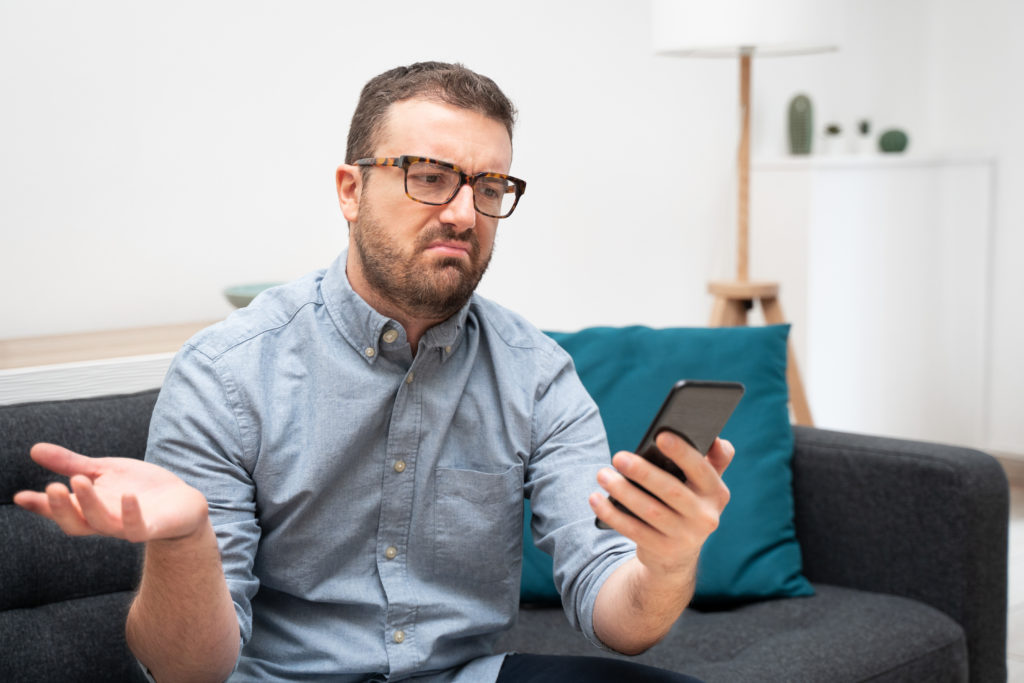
<point>434,182</point>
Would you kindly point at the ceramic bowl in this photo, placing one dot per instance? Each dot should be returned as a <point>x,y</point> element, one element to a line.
<point>241,295</point>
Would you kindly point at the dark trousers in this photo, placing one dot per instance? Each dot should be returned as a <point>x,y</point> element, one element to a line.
<point>525,668</point>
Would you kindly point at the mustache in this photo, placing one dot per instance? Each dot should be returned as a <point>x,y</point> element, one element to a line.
<point>448,234</point>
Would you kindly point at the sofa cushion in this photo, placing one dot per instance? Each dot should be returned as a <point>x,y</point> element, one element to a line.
<point>76,640</point>
<point>628,371</point>
<point>64,599</point>
<point>839,634</point>
<point>44,565</point>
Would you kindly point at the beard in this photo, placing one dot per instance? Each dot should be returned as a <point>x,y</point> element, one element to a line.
<point>421,286</point>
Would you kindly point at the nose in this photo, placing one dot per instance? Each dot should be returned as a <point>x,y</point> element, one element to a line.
<point>460,211</point>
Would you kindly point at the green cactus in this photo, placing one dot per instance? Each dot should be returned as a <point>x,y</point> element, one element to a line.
<point>801,125</point>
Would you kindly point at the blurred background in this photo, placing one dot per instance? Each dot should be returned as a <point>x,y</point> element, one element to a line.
<point>154,153</point>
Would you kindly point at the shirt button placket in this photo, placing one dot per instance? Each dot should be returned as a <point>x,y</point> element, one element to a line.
<point>396,517</point>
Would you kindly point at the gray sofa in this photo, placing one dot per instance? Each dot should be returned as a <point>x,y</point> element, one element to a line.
<point>905,543</point>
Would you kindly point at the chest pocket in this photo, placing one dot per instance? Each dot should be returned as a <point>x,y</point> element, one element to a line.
<point>478,524</point>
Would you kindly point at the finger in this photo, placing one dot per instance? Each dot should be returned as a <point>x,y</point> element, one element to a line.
<point>678,449</point>
<point>64,512</point>
<point>131,519</point>
<point>627,525</point>
<point>33,501</point>
<point>665,485</point>
<point>721,455</point>
<point>639,470</point>
<point>661,515</point>
<point>61,460</point>
<point>701,475</point>
<point>99,518</point>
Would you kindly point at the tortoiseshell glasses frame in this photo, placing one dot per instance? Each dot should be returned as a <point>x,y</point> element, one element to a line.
<point>437,182</point>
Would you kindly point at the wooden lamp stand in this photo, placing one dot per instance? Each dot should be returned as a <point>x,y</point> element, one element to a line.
<point>734,299</point>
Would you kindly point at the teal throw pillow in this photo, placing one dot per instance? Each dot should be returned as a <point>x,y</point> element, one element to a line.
<point>536,583</point>
<point>628,371</point>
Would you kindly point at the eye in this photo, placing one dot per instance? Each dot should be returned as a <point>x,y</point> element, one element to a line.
<point>491,188</point>
<point>430,182</point>
<point>426,176</point>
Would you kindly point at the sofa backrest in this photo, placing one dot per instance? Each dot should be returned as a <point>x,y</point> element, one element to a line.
<point>64,600</point>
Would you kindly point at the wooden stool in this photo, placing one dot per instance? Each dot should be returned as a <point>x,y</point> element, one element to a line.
<point>733,300</point>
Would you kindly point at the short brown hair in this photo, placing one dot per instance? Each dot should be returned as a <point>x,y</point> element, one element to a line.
<point>449,83</point>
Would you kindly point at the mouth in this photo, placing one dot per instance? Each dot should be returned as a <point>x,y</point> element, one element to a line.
<point>450,248</point>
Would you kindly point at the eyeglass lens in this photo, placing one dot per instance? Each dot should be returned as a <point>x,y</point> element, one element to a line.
<point>435,184</point>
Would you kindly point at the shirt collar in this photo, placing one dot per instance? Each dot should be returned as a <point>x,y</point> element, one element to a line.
<point>364,328</point>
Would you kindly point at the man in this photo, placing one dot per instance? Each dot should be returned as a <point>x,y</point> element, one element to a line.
<point>334,479</point>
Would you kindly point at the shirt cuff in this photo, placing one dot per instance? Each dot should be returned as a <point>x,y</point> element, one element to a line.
<point>587,617</point>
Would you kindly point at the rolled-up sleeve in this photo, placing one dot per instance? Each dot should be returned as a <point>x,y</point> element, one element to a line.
<point>570,446</point>
<point>200,432</point>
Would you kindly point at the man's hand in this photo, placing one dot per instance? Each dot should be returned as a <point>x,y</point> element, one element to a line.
<point>641,600</point>
<point>118,497</point>
<point>183,604</point>
<point>669,532</point>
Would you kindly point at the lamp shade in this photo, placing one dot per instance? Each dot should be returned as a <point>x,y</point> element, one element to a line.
<point>728,28</point>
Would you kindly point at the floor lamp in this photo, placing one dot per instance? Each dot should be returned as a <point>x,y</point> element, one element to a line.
<point>743,30</point>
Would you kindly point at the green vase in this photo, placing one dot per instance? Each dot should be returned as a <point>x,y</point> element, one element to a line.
<point>893,141</point>
<point>801,125</point>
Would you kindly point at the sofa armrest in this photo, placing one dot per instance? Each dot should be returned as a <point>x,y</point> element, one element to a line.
<point>921,520</point>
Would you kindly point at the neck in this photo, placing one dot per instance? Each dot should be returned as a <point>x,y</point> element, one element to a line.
<point>415,325</point>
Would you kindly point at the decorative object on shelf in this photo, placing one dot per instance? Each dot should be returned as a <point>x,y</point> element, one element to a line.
<point>801,124</point>
<point>893,141</point>
<point>241,295</point>
<point>744,29</point>
<point>864,136</point>
<point>833,140</point>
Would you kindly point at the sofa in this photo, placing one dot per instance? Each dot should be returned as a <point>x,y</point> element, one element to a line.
<point>904,544</point>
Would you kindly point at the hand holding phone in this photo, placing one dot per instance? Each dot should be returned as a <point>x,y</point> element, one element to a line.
<point>696,411</point>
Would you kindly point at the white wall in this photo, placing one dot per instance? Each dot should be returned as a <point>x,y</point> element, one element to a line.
<point>944,71</point>
<point>157,152</point>
<point>153,153</point>
<point>975,103</point>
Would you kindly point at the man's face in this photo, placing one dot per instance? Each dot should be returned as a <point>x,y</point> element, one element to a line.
<point>416,259</point>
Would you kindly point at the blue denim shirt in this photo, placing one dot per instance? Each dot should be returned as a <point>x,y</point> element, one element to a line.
<point>368,504</point>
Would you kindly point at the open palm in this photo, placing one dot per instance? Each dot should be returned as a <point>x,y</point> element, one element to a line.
<point>118,497</point>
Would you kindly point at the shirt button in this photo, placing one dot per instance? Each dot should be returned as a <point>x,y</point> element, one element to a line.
<point>399,636</point>
<point>447,349</point>
<point>409,378</point>
<point>369,352</point>
<point>390,336</point>
<point>400,466</point>
<point>391,553</point>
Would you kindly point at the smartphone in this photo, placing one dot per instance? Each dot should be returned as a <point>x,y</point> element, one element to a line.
<point>697,411</point>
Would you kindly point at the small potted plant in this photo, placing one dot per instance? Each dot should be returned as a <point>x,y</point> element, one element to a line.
<point>833,139</point>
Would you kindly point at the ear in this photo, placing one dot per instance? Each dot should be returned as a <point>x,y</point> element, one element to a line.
<point>349,181</point>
